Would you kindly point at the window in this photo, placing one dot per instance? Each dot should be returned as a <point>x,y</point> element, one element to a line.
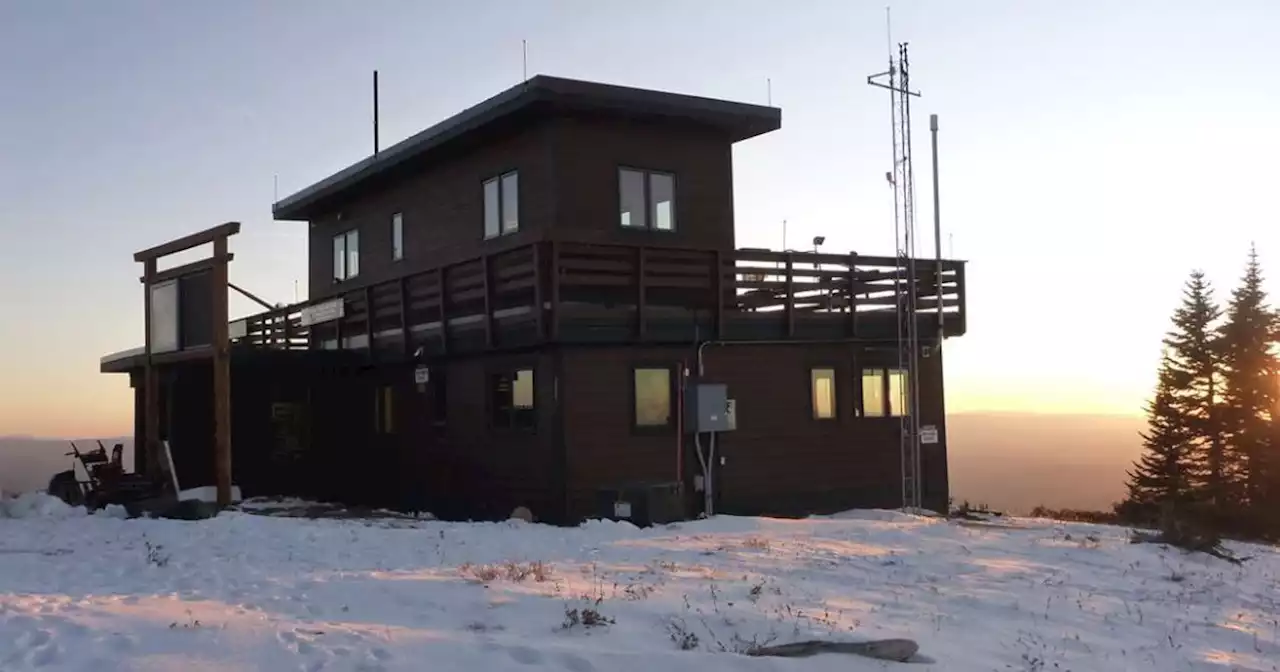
<point>384,410</point>
<point>397,236</point>
<point>652,389</point>
<point>646,200</point>
<point>513,400</point>
<point>502,205</point>
<point>884,393</point>
<point>822,383</point>
<point>346,255</point>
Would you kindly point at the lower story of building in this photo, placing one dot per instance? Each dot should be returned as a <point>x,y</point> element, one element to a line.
<point>816,428</point>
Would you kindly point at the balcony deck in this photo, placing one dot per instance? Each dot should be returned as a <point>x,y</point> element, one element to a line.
<point>616,294</point>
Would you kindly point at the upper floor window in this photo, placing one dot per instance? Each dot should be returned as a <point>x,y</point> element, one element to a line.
<point>512,405</point>
<point>646,199</point>
<point>346,255</point>
<point>502,205</point>
<point>397,236</point>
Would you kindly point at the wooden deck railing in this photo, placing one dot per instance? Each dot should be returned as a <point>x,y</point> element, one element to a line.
<point>541,282</point>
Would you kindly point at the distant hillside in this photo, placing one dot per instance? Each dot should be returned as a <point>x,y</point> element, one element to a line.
<point>1015,461</point>
<point>26,463</point>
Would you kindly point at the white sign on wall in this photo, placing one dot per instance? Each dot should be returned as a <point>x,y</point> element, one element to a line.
<point>164,317</point>
<point>323,312</point>
<point>928,434</point>
<point>422,375</point>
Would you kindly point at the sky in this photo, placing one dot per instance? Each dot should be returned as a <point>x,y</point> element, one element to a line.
<point>1092,154</point>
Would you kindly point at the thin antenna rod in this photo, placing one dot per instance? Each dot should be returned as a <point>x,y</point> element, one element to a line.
<point>375,112</point>
<point>937,223</point>
<point>275,188</point>
<point>768,84</point>
<point>524,60</point>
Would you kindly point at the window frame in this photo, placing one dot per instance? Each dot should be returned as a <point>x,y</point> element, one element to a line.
<point>499,181</point>
<point>346,237</point>
<point>634,399</point>
<point>813,392</point>
<point>511,425</point>
<point>397,236</point>
<point>647,197</point>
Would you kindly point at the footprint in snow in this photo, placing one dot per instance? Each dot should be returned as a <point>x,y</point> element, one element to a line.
<point>577,663</point>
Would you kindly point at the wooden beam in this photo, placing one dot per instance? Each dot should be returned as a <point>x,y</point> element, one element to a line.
<point>188,242</point>
<point>186,269</point>
<point>221,377</point>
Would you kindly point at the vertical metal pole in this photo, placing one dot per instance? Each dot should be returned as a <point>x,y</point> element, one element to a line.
<point>221,375</point>
<point>375,112</point>
<point>937,223</point>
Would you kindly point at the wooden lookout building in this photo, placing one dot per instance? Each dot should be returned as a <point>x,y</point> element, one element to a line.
<point>539,302</point>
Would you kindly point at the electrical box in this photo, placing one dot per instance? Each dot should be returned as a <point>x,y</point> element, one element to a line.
<point>709,409</point>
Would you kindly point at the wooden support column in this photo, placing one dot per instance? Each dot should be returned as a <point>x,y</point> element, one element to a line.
<point>640,293</point>
<point>539,309</point>
<point>441,276</point>
<point>221,377</point>
<point>368,319</point>
<point>853,294</point>
<point>717,285</point>
<point>150,381</point>
<point>791,297</point>
<point>488,302</point>
<point>555,291</point>
<point>406,343</point>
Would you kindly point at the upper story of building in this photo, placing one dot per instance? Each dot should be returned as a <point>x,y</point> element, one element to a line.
<point>549,159</point>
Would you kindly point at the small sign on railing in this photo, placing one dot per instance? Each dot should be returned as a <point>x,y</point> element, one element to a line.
<point>238,329</point>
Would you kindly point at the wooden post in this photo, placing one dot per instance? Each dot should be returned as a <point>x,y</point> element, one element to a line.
<point>488,302</point>
<point>403,298</point>
<point>555,291</point>
<point>368,319</point>
<point>640,293</point>
<point>150,381</point>
<point>539,310</point>
<point>853,294</point>
<point>221,376</point>
<point>441,277</point>
<point>791,297</point>
<point>717,284</point>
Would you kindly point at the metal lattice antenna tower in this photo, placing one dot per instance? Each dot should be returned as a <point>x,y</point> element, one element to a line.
<point>902,178</point>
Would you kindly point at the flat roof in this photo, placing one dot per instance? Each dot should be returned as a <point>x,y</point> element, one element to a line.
<point>739,120</point>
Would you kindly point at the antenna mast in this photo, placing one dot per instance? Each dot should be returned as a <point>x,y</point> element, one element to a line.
<point>897,80</point>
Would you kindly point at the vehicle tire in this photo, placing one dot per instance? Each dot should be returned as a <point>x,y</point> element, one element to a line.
<point>64,486</point>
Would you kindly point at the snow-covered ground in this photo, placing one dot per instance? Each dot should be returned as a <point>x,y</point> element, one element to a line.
<point>252,592</point>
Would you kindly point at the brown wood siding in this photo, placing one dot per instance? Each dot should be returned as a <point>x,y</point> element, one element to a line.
<point>443,208</point>
<point>589,152</point>
<point>779,460</point>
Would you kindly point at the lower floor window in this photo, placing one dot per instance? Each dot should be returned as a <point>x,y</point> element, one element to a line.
<point>822,383</point>
<point>513,400</point>
<point>652,397</point>
<point>885,393</point>
<point>384,410</point>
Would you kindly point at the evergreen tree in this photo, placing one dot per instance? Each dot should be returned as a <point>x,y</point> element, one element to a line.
<point>1193,375</point>
<point>1163,474</point>
<point>1250,395</point>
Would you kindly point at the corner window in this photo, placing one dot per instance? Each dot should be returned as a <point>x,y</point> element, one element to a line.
<point>397,236</point>
<point>502,205</point>
<point>646,200</point>
<point>884,393</point>
<point>346,255</point>
<point>513,400</point>
<point>822,391</point>
<point>652,391</point>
